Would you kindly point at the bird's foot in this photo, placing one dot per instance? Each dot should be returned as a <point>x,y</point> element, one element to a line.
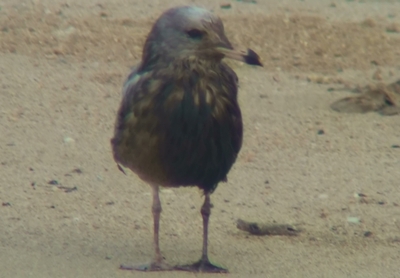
<point>202,266</point>
<point>153,266</point>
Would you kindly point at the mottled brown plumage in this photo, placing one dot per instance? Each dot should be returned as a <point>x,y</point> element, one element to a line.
<point>179,123</point>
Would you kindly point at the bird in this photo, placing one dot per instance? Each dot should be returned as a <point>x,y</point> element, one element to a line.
<point>179,122</point>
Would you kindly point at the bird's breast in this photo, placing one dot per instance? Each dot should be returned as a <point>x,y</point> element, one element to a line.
<point>183,127</point>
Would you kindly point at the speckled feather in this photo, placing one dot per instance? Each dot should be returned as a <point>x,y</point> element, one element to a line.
<point>179,123</point>
<point>179,127</point>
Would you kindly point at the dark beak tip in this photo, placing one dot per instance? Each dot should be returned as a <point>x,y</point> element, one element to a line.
<point>252,58</point>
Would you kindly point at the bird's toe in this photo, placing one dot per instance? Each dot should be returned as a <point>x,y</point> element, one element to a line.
<point>153,266</point>
<point>204,266</point>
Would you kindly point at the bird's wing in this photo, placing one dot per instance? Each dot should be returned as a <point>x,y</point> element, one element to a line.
<point>131,80</point>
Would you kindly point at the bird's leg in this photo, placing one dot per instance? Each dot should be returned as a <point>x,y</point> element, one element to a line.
<point>205,213</point>
<point>156,210</point>
<point>158,263</point>
<point>204,264</point>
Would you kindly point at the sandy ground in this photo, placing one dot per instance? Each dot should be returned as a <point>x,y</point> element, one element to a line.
<point>62,64</point>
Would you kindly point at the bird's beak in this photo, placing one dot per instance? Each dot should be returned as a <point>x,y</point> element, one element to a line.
<point>247,56</point>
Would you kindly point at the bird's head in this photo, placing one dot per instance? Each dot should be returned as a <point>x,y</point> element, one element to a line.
<point>191,31</point>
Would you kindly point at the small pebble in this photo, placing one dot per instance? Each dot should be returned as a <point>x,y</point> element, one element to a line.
<point>77,170</point>
<point>225,6</point>
<point>68,190</point>
<point>360,195</point>
<point>68,140</point>
<point>354,220</point>
<point>367,234</point>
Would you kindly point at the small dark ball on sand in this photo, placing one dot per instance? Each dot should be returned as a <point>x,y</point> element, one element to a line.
<point>179,123</point>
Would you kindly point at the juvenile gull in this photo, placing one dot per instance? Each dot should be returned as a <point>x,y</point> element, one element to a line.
<point>179,123</point>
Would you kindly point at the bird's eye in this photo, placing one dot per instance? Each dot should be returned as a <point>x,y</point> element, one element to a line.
<point>195,34</point>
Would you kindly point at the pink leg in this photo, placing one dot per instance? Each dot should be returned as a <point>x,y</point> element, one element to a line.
<point>156,210</point>
<point>204,264</point>
<point>158,263</point>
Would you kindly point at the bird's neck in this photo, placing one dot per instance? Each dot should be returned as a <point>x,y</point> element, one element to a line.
<point>195,63</point>
<point>185,61</point>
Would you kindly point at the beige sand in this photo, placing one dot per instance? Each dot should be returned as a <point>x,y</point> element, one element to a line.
<point>62,64</point>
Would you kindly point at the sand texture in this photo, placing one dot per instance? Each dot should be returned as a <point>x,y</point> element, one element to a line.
<point>66,210</point>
